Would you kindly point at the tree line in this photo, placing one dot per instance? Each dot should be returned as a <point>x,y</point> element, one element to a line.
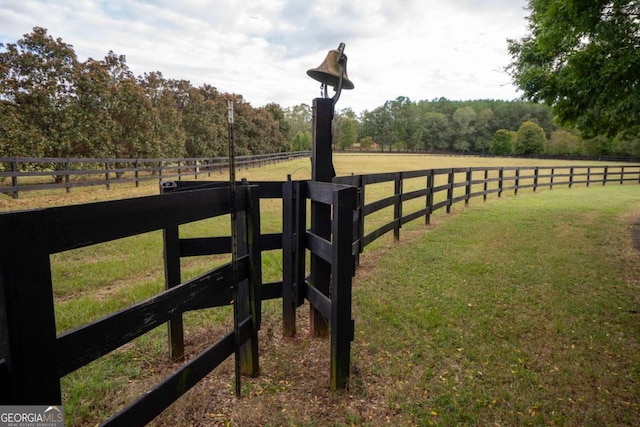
<point>53,105</point>
<point>441,125</point>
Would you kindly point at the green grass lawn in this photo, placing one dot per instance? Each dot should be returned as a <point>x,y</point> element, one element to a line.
<point>522,311</point>
<point>519,311</point>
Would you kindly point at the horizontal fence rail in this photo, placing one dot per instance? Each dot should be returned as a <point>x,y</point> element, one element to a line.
<point>18,174</point>
<point>417,194</point>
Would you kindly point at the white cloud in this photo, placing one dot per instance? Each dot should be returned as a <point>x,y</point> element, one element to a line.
<point>262,49</point>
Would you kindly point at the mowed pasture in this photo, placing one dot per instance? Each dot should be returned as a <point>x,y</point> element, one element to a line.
<point>522,310</point>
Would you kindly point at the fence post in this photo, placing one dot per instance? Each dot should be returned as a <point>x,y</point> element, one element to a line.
<point>467,189</point>
<point>160,170</point>
<point>500,181</point>
<point>450,182</point>
<point>289,231</point>
<point>571,177</point>
<point>172,278</point>
<point>429,201</point>
<point>517,181</point>
<point>397,206</point>
<point>249,291</point>
<point>342,266</point>
<point>136,166</point>
<point>535,179</point>
<point>622,175</point>
<point>28,321</point>
<point>67,183</point>
<point>14,178</point>
<point>605,175</point>
<point>553,175</point>
<point>321,170</point>
<point>588,176</point>
<point>362,203</point>
<point>106,174</point>
<point>485,187</point>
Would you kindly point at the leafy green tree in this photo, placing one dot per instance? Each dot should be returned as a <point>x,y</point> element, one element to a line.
<point>347,133</point>
<point>366,143</point>
<point>530,139</point>
<point>301,141</point>
<point>38,90</point>
<point>502,142</point>
<point>582,58</point>
<point>378,124</point>
<point>436,131</point>
<point>281,141</point>
<point>298,118</point>
<point>131,114</point>
<point>464,120</point>
<point>482,129</point>
<point>563,142</point>
<point>167,134</point>
<point>95,104</point>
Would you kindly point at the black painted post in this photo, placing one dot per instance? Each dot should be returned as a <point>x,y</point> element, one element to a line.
<point>429,201</point>
<point>342,330</point>
<point>467,190</point>
<point>397,206</point>
<point>500,182</point>
<point>288,264</point>
<point>517,182</point>
<point>67,171</point>
<point>27,320</point>
<point>485,185</point>
<point>450,182</point>
<point>106,174</point>
<point>14,178</point>
<point>571,177</point>
<point>249,291</point>
<point>171,279</point>
<point>321,170</point>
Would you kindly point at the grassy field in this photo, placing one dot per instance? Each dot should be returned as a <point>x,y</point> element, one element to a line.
<point>519,311</point>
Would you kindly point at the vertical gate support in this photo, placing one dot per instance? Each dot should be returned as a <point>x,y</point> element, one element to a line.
<point>321,170</point>
<point>342,269</point>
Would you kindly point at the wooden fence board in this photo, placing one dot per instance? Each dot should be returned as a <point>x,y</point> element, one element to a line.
<point>72,227</point>
<point>151,404</point>
<point>82,345</point>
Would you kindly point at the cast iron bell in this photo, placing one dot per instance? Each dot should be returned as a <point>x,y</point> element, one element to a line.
<point>328,73</point>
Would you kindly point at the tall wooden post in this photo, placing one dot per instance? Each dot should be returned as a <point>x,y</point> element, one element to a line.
<point>175,326</point>
<point>27,319</point>
<point>321,170</point>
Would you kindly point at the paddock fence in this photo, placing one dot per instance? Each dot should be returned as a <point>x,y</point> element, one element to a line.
<point>18,174</point>
<point>358,209</point>
<point>408,196</point>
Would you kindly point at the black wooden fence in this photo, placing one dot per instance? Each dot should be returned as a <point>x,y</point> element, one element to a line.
<point>33,356</point>
<point>417,194</point>
<point>19,174</point>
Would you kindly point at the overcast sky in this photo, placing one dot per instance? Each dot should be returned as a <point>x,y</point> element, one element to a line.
<point>421,49</point>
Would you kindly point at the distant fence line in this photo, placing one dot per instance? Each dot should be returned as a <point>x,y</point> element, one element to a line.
<point>19,174</point>
<point>446,153</point>
<point>435,189</point>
